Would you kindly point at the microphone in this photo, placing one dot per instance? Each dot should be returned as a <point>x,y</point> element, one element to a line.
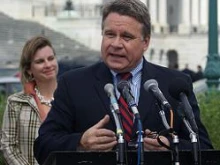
<point>109,89</point>
<point>125,90</point>
<point>182,115</point>
<point>179,89</point>
<point>152,86</point>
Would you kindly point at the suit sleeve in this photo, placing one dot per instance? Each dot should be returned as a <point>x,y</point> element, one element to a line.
<point>57,132</point>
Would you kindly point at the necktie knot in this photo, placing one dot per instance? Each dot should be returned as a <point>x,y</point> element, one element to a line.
<point>125,76</point>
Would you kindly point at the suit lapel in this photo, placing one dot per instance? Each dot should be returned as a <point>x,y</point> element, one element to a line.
<point>103,76</point>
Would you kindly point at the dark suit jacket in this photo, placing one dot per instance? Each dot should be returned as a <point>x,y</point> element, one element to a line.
<point>80,102</point>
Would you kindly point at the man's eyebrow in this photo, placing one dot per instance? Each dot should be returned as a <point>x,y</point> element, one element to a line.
<point>128,34</point>
<point>108,30</point>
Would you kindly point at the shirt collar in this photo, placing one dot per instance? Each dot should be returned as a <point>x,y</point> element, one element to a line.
<point>135,71</point>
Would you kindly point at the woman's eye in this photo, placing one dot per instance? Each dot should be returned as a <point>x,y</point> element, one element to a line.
<point>38,61</point>
<point>51,58</point>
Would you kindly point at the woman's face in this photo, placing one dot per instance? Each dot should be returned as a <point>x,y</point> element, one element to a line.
<point>44,66</point>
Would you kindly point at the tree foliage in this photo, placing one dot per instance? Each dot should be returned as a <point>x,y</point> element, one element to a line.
<point>209,103</point>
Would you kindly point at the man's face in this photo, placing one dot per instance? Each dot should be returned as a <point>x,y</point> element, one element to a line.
<point>123,44</point>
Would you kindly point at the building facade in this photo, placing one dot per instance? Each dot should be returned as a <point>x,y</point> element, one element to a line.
<point>179,27</point>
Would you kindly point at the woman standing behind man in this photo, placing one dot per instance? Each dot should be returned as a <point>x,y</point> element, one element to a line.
<point>26,110</point>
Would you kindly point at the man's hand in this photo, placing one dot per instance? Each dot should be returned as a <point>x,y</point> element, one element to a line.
<point>97,138</point>
<point>151,143</point>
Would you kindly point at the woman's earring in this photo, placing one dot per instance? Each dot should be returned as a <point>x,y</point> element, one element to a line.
<point>31,77</point>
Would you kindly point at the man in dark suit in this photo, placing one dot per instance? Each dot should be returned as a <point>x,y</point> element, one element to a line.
<point>80,117</point>
<point>188,71</point>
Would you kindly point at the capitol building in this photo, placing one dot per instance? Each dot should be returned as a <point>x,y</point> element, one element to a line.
<point>179,27</point>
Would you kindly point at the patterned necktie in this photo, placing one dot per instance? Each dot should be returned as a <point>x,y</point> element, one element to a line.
<point>126,115</point>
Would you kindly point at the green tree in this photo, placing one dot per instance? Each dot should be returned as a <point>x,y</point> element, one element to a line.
<point>209,103</point>
<point>2,108</point>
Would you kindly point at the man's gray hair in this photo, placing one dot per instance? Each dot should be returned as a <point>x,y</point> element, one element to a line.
<point>132,8</point>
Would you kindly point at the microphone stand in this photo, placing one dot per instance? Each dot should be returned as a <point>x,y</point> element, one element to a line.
<point>174,136</point>
<point>119,133</point>
<point>192,133</point>
<point>132,105</point>
<point>193,137</point>
<point>176,150</point>
<point>140,140</point>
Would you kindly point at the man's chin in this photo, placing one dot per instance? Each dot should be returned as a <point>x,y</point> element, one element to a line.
<point>117,69</point>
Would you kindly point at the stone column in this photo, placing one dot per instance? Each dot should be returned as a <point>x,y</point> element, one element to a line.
<point>185,20</point>
<point>158,9</point>
<point>203,16</point>
<point>162,13</point>
<point>195,13</point>
<point>153,11</point>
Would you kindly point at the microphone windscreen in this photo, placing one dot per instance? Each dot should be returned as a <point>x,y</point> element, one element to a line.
<point>122,84</point>
<point>109,88</point>
<point>177,86</point>
<point>150,83</point>
<point>180,110</point>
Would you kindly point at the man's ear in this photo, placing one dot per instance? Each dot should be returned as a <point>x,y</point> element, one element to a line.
<point>146,43</point>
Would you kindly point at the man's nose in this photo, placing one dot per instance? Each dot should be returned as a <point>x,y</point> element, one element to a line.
<point>117,42</point>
